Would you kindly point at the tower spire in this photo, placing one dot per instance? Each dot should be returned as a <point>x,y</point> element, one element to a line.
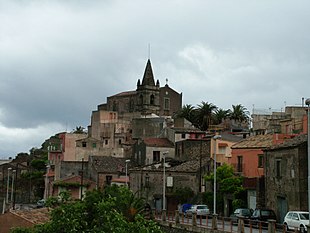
<point>148,78</point>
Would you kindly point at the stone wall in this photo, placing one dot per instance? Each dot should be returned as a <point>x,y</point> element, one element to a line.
<point>192,149</point>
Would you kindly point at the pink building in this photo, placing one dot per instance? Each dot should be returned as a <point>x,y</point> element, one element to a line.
<point>247,156</point>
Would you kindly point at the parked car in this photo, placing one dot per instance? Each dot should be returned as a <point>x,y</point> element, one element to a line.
<point>184,208</point>
<point>200,210</point>
<point>240,212</point>
<point>263,215</point>
<point>296,220</point>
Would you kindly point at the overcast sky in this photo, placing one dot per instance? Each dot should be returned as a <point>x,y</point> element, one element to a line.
<point>60,59</point>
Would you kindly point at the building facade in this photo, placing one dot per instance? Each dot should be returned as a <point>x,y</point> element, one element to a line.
<point>286,176</point>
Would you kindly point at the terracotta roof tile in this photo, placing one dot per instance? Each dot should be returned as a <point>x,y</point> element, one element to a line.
<point>108,163</point>
<point>189,166</point>
<point>258,141</point>
<point>35,216</point>
<point>302,138</point>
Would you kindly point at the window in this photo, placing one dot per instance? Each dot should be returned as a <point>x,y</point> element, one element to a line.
<point>166,103</point>
<point>260,161</point>
<point>108,180</point>
<point>106,142</point>
<point>183,135</point>
<point>222,150</point>
<point>152,100</point>
<point>84,144</point>
<point>239,165</point>
<point>278,168</point>
<point>94,145</point>
<point>141,99</point>
<point>119,141</point>
<point>156,156</point>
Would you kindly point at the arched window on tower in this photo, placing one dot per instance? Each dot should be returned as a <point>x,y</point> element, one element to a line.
<point>152,100</point>
<point>141,99</point>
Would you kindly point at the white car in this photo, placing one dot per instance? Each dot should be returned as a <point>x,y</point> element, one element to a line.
<point>296,220</point>
<point>200,210</point>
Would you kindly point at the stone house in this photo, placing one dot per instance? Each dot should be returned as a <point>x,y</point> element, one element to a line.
<point>107,169</point>
<point>151,126</point>
<point>111,131</point>
<point>76,185</point>
<point>147,181</point>
<point>191,149</point>
<point>286,174</point>
<point>151,150</point>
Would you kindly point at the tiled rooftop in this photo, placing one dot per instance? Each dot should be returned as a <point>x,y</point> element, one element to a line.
<point>258,141</point>
<point>35,216</point>
<point>108,163</point>
<point>302,138</point>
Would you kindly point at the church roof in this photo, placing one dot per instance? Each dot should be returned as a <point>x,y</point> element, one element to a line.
<point>148,77</point>
<point>125,93</point>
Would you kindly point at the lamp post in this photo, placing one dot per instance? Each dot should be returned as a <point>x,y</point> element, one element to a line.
<point>164,180</point>
<point>7,185</point>
<point>214,180</point>
<point>12,190</point>
<point>82,179</point>
<point>308,142</point>
<point>126,167</point>
<point>46,182</point>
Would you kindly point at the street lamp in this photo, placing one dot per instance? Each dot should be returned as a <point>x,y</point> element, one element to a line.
<point>308,136</point>
<point>214,167</point>
<point>126,164</point>
<point>46,182</point>
<point>82,177</point>
<point>164,179</point>
<point>12,190</point>
<point>7,186</point>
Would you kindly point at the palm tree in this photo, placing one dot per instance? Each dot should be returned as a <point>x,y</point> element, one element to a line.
<point>187,112</point>
<point>220,115</point>
<point>204,114</point>
<point>79,130</point>
<point>239,113</point>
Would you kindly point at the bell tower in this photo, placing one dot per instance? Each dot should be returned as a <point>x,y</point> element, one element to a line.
<point>147,101</point>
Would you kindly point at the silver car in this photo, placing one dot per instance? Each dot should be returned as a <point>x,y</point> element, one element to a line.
<point>296,220</point>
<point>200,210</point>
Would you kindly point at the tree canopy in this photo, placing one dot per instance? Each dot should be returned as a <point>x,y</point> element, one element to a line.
<point>228,183</point>
<point>116,209</point>
<point>206,114</point>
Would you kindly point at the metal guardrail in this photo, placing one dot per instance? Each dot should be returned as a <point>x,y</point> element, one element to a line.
<point>217,223</point>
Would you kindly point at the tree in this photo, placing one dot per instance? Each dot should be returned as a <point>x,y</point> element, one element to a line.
<point>99,212</point>
<point>239,113</point>
<point>228,183</point>
<point>204,114</point>
<point>79,130</point>
<point>183,194</point>
<point>187,112</point>
<point>220,115</point>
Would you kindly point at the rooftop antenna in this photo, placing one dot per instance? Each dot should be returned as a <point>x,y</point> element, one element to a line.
<point>149,51</point>
<point>166,81</point>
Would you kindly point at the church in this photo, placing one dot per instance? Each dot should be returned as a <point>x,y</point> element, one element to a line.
<point>148,98</point>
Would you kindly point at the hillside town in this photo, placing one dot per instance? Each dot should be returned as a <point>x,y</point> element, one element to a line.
<point>166,152</point>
